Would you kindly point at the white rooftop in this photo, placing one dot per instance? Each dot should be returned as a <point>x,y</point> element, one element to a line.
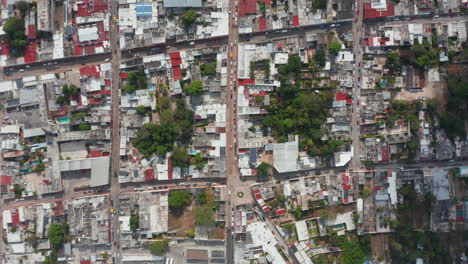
<point>285,156</point>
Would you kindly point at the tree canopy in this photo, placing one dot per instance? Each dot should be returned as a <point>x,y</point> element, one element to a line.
<point>155,139</point>
<point>180,158</point>
<point>204,213</point>
<point>68,91</point>
<point>334,47</point>
<point>453,119</point>
<point>134,222</point>
<point>22,6</point>
<point>208,68</point>
<point>136,81</point>
<point>199,161</point>
<point>141,110</point>
<point>195,88</point>
<point>189,17</point>
<point>320,57</point>
<point>56,234</point>
<point>264,170</point>
<point>16,37</point>
<point>178,200</point>
<point>159,247</point>
<point>159,139</point>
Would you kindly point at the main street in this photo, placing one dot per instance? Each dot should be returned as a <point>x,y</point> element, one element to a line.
<point>357,49</point>
<point>232,172</point>
<point>114,224</point>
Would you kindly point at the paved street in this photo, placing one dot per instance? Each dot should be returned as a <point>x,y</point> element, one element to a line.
<point>114,224</point>
<point>357,49</point>
<point>232,172</point>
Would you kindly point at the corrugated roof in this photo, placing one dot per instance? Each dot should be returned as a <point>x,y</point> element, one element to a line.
<point>285,156</point>
<point>182,3</point>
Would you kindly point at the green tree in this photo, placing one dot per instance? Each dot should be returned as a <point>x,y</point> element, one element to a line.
<point>264,170</point>
<point>202,198</point>
<point>12,25</point>
<point>352,253</point>
<point>134,222</point>
<point>56,235</point>
<point>208,69</point>
<point>319,4</point>
<point>180,158</point>
<point>105,255</point>
<point>320,57</point>
<point>61,100</point>
<point>199,161</point>
<point>136,80</point>
<point>155,139</point>
<point>84,127</point>
<point>191,233</point>
<point>141,110</point>
<point>51,258</point>
<point>178,200</point>
<point>159,247</point>
<point>22,6</point>
<point>334,47</point>
<point>195,88</point>
<point>261,7</point>
<point>189,17</point>
<point>204,215</point>
<point>298,212</point>
<point>17,189</point>
<point>79,115</point>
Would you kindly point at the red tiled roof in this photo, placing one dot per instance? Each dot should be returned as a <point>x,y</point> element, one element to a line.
<point>369,12</point>
<point>177,73</point>
<point>85,261</point>
<point>5,49</point>
<point>15,219</point>
<point>262,23</point>
<point>124,75</point>
<point>247,7</point>
<point>87,7</point>
<point>31,52</point>
<point>344,178</point>
<point>101,92</point>
<point>95,153</point>
<point>95,101</point>
<point>175,59</point>
<point>296,20</point>
<point>340,97</point>
<point>346,187</point>
<point>243,82</point>
<point>90,71</point>
<point>31,31</point>
<point>107,82</point>
<point>149,174</point>
<point>280,211</point>
<point>5,180</point>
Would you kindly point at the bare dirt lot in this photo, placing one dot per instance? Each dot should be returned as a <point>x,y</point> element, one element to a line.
<point>379,244</point>
<point>180,225</point>
<point>432,89</point>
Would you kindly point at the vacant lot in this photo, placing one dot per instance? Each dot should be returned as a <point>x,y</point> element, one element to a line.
<point>180,225</point>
